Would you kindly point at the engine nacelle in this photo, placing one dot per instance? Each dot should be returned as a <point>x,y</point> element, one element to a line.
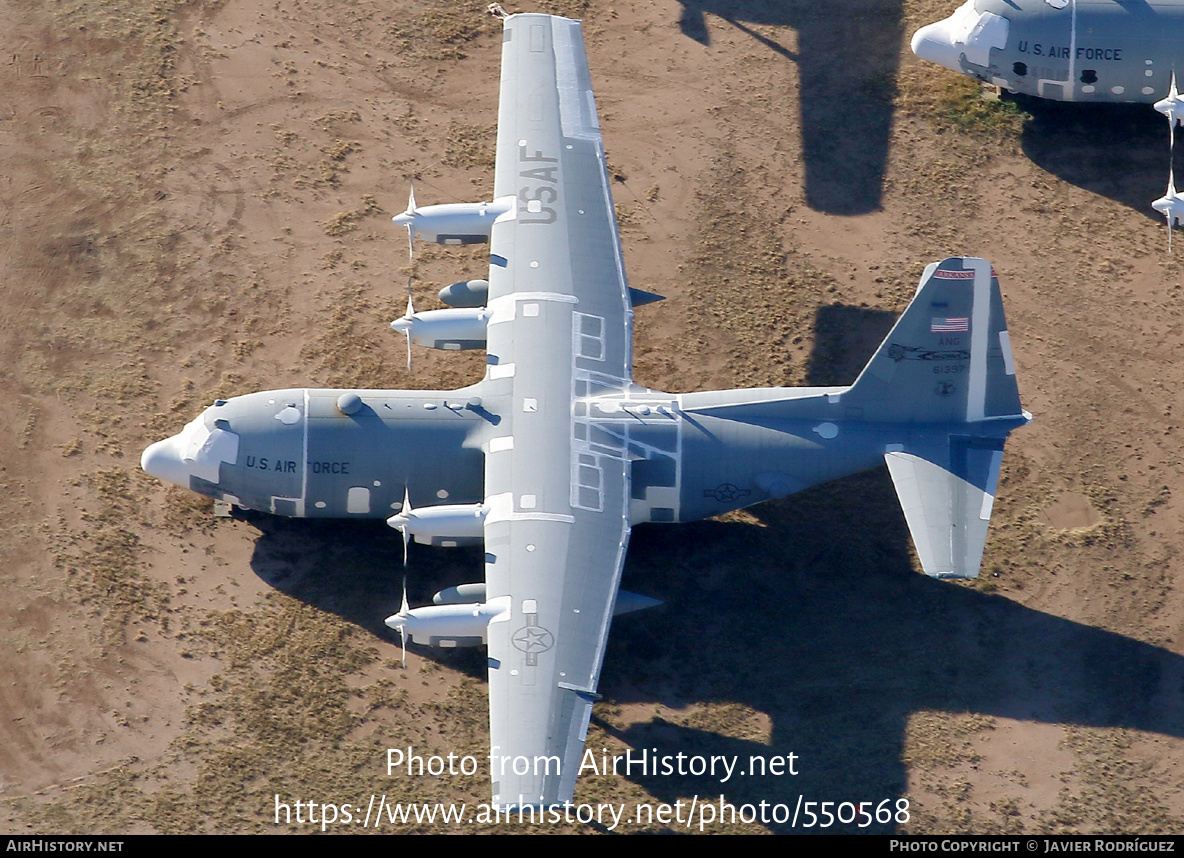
<point>466,293</point>
<point>460,594</point>
<point>449,625</point>
<point>443,524</point>
<point>445,329</point>
<point>454,223</point>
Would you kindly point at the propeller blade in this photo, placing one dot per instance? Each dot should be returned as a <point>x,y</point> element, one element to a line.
<point>399,620</point>
<point>407,219</point>
<point>411,229</point>
<point>405,323</point>
<point>404,608</point>
<point>409,316</point>
<point>1170,204</point>
<point>1171,106</point>
<point>406,510</point>
<point>1173,95</point>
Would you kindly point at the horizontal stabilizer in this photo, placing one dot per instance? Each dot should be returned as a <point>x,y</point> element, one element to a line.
<point>947,491</point>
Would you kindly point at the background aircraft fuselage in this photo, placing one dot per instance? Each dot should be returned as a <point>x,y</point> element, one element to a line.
<point>1065,50</point>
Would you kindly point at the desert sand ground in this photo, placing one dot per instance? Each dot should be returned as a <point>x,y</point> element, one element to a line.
<point>196,199</point>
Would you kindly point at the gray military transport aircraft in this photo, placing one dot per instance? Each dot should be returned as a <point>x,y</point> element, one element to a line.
<point>555,454</point>
<point>1066,50</point>
<point>1071,50</point>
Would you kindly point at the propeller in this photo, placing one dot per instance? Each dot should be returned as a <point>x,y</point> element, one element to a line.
<point>407,219</point>
<point>399,621</point>
<point>1172,107</point>
<point>1171,205</point>
<point>400,519</point>
<point>405,323</point>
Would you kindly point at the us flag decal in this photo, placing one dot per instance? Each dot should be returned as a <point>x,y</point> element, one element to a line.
<point>949,325</point>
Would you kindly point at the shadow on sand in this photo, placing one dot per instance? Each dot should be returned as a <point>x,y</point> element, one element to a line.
<point>1119,151</point>
<point>847,56</point>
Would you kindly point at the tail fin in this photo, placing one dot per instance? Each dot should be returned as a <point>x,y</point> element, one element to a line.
<point>946,361</point>
<point>948,357</point>
<point>941,394</point>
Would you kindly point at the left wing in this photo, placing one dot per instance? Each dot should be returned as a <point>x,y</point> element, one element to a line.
<point>556,470</point>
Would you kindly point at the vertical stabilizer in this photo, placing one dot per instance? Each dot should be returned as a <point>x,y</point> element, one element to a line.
<point>946,374</point>
<point>948,358</point>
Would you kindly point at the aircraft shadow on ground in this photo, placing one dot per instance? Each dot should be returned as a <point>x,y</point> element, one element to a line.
<point>1119,151</point>
<point>817,620</point>
<point>812,615</point>
<point>847,57</point>
<point>354,569</point>
<point>845,338</point>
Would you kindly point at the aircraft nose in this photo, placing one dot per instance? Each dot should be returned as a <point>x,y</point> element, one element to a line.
<point>163,460</point>
<point>934,43</point>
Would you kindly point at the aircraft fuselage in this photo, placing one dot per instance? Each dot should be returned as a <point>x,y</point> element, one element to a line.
<point>296,453</point>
